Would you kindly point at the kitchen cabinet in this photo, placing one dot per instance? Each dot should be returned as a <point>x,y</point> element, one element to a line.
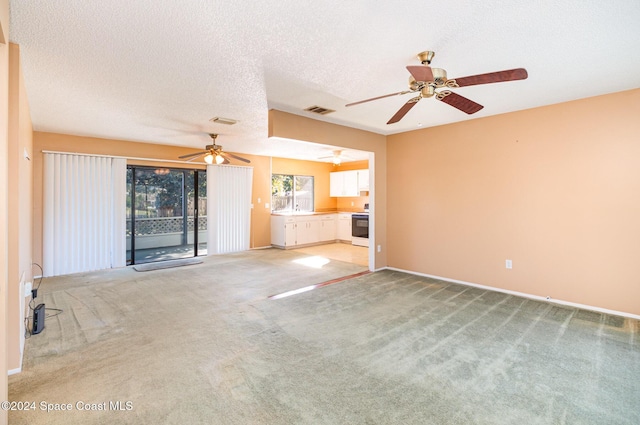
<point>343,232</point>
<point>363,180</point>
<point>343,183</point>
<point>328,227</point>
<point>348,183</point>
<point>308,230</point>
<point>292,231</point>
<point>283,231</point>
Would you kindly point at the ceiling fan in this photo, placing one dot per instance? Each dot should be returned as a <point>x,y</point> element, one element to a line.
<point>336,158</point>
<point>425,80</point>
<point>213,153</point>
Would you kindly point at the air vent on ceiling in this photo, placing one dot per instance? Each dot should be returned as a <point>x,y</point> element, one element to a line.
<point>227,121</point>
<point>319,110</point>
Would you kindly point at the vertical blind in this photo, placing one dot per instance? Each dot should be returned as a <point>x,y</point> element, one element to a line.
<point>228,208</point>
<point>84,213</point>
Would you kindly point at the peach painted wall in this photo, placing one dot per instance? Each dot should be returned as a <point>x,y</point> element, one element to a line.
<point>319,171</point>
<point>289,126</point>
<point>344,203</point>
<point>4,130</point>
<point>555,189</point>
<point>260,230</point>
<point>20,203</point>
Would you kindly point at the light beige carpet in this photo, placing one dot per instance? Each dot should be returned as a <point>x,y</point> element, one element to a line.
<point>204,345</point>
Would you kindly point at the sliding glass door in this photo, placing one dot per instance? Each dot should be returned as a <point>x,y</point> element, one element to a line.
<point>166,214</point>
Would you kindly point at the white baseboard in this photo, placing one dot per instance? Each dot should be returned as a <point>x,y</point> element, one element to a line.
<point>522,294</point>
<point>14,371</point>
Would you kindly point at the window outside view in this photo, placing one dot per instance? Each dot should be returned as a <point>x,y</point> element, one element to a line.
<point>291,193</point>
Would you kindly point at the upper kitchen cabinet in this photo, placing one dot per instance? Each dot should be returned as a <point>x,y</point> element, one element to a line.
<point>348,183</point>
<point>363,180</point>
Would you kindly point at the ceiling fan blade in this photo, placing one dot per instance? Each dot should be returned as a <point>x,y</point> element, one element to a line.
<point>193,159</point>
<point>459,102</point>
<point>379,97</point>
<point>403,111</point>
<point>420,72</point>
<point>193,154</point>
<point>493,77</point>
<point>239,158</point>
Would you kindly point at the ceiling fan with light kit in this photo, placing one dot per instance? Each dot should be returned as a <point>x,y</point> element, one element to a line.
<point>337,157</point>
<point>214,154</point>
<point>424,80</point>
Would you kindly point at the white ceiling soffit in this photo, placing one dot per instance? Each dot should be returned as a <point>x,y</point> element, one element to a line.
<point>158,71</point>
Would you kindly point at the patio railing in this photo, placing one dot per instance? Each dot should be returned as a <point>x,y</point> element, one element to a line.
<point>161,225</point>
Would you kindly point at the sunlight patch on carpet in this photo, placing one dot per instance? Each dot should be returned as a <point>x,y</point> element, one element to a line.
<point>316,261</point>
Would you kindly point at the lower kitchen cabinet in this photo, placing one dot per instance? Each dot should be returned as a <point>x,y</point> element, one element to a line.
<point>308,230</point>
<point>343,232</point>
<point>328,228</point>
<point>294,231</point>
<point>283,231</point>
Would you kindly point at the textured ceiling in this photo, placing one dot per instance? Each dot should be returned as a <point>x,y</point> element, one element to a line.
<point>157,71</point>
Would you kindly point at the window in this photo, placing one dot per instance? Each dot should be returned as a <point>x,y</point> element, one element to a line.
<point>291,193</point>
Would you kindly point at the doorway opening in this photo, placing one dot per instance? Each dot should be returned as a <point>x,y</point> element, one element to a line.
<point>166,214</point>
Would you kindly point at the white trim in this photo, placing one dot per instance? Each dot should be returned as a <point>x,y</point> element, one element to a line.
<point>14,371</point>
<point>372,243</point>
<point>523,294</point>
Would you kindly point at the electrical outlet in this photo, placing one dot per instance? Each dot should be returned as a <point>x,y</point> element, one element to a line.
<point>508,264</point>
<point>379,248</point>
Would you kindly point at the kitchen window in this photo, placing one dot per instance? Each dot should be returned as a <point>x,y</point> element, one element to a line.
<point>290,193</point>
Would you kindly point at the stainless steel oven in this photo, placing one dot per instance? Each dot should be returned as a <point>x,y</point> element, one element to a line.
<point>360,229</point>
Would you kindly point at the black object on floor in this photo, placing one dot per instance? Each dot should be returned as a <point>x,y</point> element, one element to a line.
<point>38,319</point>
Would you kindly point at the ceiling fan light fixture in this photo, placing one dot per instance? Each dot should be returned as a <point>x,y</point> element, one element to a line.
<point>213,153</point>
<point>336,160</point>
